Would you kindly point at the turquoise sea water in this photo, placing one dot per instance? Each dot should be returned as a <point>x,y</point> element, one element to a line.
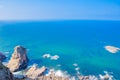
<point>79,42</point>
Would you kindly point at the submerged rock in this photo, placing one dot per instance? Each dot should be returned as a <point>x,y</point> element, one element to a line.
<point>19,59</point>
<point>2,57</point>
<point>5,73</point>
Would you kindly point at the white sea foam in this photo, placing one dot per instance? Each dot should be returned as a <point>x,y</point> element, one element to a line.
<point>59,65</point>
<point>72,78</point>
<point>55,57</point>
<point>92,77</point>
<point>5,63</point>
<point>50,71</point>
<point>18,74</point>
<point>46,56</point>
<point>59,73</point>
<point>6,53</point>
<point>78,73</point>
<point>77,69</point>
<point>106,76</point>
<point>75,64</point>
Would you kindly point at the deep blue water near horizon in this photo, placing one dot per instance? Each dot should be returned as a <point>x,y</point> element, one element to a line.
<point>74,41</point>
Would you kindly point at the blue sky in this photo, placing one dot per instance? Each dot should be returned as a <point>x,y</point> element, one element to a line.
<point>59,9</point>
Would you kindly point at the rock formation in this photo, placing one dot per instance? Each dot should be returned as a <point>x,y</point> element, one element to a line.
<point>2,57</point>
<point>5,73</point>
<point>19,59</point>
<point>34,72</point>
<point>112,49</point>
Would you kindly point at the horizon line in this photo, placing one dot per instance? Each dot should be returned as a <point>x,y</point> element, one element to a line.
<point>64,20</point>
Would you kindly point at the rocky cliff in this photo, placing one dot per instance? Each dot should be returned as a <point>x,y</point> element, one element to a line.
<point>19,59</point>
<point>5,73</point>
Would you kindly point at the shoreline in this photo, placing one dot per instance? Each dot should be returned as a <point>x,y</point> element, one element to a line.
<point>34,71</point>
<point>63,74</point>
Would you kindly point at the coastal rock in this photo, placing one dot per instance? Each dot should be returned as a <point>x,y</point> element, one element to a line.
<point>90,77</point>
<point>2,57</point>
<point>46,56</point>
<point>106,76</point>
<point>34,72</point>
<point>5,73</point>
<point>112,49</point>
<point>53,77</point>
<point>19,59</point>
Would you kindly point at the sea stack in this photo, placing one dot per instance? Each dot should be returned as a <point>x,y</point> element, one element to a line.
<point>19,59</point>
<point>5,73</point>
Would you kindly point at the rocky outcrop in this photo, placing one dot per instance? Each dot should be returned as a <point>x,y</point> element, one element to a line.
<point>2,57</point>
<point>19,59</point>
<point>53,77</point>
<point>87,78</point>
<point>34,72</point>
<point>5,73</point>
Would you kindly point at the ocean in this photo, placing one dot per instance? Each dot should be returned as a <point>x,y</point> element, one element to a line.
<point>75,41</point>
